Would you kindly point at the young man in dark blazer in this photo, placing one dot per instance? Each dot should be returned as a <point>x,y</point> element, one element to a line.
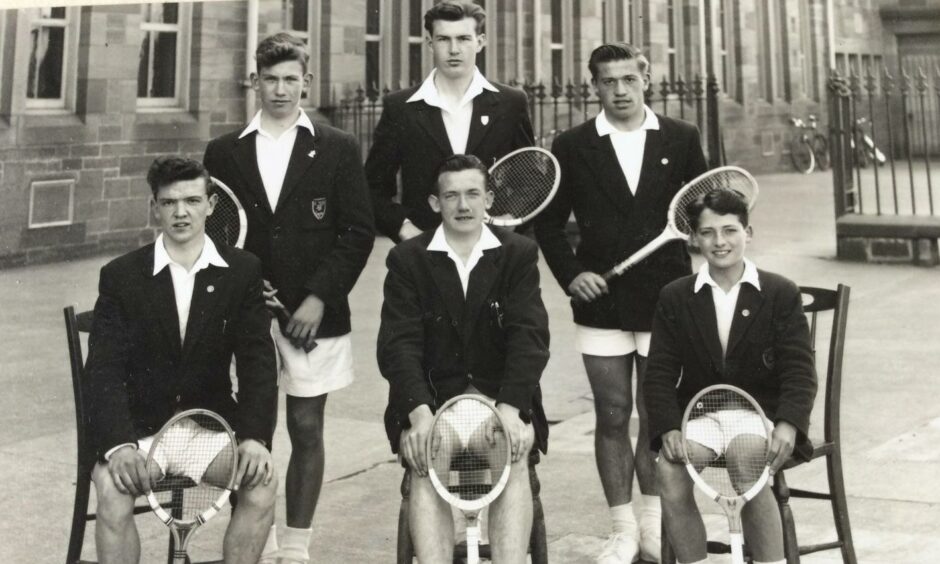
<point>619,172</point>
<point>456,110</point>
<point>168,319</point>
<point>310,223</point>
<point>733,324</point>
<point>463,314</point>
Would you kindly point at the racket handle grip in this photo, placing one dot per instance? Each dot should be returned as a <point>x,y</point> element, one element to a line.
<point>473,544</point>
<point>282,318</point>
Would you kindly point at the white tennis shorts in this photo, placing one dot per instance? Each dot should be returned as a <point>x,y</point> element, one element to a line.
<point>326,368</point>
<point>715,431</point>
<point>611,342</point>
<point>196,438</point>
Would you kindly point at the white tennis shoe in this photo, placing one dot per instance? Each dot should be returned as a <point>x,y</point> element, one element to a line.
<point>650,540</point>
<point>620,548</point>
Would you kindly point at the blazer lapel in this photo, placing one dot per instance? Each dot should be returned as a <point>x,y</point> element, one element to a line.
<point>484,106</point>
<point>430,119</point>
<point>302,158</point>
<point>246,159</point>
<point>163,298</point>
<point>445,276</point>
<point>749,303</point>
<point>205,293</point>
<point>601,158</point>
<point>703,313</point>
<point>482,278</point>
<point>652,168</point>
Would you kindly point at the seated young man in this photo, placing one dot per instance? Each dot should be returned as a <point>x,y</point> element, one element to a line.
<point>463,314</point>
<point>731,323</point>
<point>168,318</point>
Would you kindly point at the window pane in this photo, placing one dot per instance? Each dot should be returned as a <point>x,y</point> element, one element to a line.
<point>372,66</point>
<point>557,67</point>
<point>164,66</point>
<point>299,15</point>
<point>143,66</point>
<point>415,19</point>
<point>372,17</point>
<point>161,13</point>
<point>57,13</point>
<point>45,63</point>
<point>556,21</point>
<point>414,63</point>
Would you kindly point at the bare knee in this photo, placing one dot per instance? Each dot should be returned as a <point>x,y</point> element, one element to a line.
<point>259,498</point>
<point>305,425</point>
<point>613,419</point>
<point>674,482</point>
<point>115,508</point>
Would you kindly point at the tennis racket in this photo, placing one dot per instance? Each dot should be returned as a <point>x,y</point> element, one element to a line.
<point>523,183</point>
<point>727,439</point>
<point>228,224</point>
<point>468,455</point>
<point>677,218</point>
<point>195,457</point>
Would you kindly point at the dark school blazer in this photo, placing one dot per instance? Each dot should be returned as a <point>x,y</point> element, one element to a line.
<point>319,237</point>
<point>411,137</point>
<point>433,342</point>
<point>769,354</point>
<point>139,373</point>
<point>613,223</point>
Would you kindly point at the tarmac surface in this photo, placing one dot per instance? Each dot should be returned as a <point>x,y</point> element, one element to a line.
<point>890,422</point>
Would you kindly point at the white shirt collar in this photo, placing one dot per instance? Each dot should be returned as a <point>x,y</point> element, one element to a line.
<point>303,120</point>
<point>704,277</point>
<point>209,255</point>
<point>486,242</point>
<point>604,127</point>
<point>429,93</point>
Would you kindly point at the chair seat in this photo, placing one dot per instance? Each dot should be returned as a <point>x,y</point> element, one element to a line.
<point>820,448</point>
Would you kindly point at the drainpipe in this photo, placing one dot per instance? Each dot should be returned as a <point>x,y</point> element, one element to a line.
<point>251,42</point>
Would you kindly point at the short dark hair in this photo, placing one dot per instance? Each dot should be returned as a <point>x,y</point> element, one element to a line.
<point>167,170</point>
<point>721,201</point>
<point>453,11</point>
<point>616,52</point>
<point>457,163</point>
<point>279,48</point>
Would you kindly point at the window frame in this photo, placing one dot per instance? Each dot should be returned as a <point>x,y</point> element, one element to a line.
<point>66,100</point>
<point>183,30</point>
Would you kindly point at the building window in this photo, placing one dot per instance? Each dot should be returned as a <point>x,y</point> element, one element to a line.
<point>297,13</point>
<point>557,44</point>
<point>373,40</point>
<point>161,72</point>
<point>782,75</point>
<point>673,27</point>
<point>415,42</point>
<point>49,54</point>
<point>51,203</point>
<point>481,56</point>
<point>765,48</point>
<point>807,55</point>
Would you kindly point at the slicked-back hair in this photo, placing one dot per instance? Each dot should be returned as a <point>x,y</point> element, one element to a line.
<point>617,52</point>
<point>458,163</point>
<point>720,201</point>
<point>453,11</point>
<point>279,48</point>
<point>167,170</point>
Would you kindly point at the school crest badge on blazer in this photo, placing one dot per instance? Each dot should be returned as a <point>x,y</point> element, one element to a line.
<point>318,205</point>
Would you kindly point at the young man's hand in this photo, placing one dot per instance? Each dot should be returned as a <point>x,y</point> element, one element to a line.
<point>128,470</point>
<point>782,442</point>
<point>414,439</point>
<point>588,286</point>
<point>520,438</point>
<point>673,449</point>
<point>255,465</point>
<point>303,325</point>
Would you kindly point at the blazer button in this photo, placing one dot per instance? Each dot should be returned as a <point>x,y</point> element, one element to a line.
<point>469,376</point>
<point>453,322</point>
<point>177,399</point>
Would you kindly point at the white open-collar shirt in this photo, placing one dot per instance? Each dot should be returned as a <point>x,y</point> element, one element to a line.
<point>274,152</point>
<point>456,119</point>
<point>487,241</point>
<point>726,302</point>
<point>628,145</point>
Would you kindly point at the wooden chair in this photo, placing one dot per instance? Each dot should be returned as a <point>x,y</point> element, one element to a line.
<point>538,544</point>
<point>75,324</point>
<point>815,301</point>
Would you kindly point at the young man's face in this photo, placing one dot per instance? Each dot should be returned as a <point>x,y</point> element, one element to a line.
<point>462,200</point>
<point>722,239</point>
<point>181,209</point>
<point>280,88</point>
<point>620,86</point>
<point>454,46</point>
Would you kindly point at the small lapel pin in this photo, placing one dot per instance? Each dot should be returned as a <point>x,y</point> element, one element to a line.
<point>746,312</point>
<point>210,288</point>
<point>484,119</point>
<point>312,154</point>
<point>665,161</point>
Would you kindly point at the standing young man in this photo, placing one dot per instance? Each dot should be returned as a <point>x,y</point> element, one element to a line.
<point>454,111</point>
<point>619,172</point>
<point>310,223</point>
<point>168,319</point>
<point>463,313</point>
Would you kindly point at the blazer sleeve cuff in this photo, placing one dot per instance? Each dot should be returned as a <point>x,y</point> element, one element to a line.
<point>519,397</point>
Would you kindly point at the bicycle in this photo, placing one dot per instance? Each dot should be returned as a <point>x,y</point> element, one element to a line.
<point>866,151</point>
<point>809,149</point>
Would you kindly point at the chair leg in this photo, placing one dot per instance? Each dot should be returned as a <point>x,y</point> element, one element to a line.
<point>79,515</point>
<point>405,551</point>
<point>538,543</point>
<point>666,555</point>
<point>791,547</point>
<point>840,508</point>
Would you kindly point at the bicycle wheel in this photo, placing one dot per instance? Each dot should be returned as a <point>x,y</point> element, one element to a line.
<point>821,151</point>
<point>801,152</point>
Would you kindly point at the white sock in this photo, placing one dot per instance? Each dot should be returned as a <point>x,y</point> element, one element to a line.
<point>622,519</point>
<point>294,543</point>
<point>651,510</point>
<point>781,561</point>
<point>270,545</point>
<point>697,562</point>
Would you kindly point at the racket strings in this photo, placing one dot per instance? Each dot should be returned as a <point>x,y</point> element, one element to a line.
<point>521,183</point>
<point>721,179</point>
<point>224,225</point>
<point>732,442</point>
<point>469,451</point>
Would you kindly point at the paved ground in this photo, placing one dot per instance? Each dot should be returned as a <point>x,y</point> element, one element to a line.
<point>891,425</point>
